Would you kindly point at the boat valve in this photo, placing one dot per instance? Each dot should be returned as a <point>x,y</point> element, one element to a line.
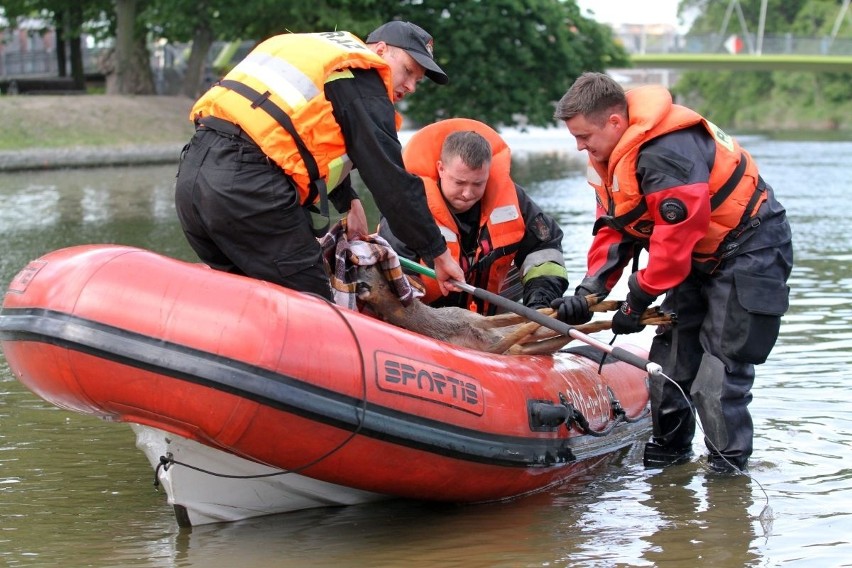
<point>546,415</point>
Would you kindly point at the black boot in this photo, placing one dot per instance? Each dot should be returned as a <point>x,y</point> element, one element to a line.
<point>727,464</point>
<point>658,455</point>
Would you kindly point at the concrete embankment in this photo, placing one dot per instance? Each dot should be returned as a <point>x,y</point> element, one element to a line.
<point>80,157</point>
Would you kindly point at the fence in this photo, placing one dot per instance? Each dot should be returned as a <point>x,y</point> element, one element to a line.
<point>780,44</point>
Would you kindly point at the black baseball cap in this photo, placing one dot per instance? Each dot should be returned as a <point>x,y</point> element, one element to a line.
<point>414,40</point>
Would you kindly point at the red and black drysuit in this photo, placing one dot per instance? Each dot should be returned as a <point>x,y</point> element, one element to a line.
<point>720,248</point>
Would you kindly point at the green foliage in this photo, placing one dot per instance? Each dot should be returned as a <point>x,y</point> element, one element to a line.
<point>710,94</point>
<point>712,13</point>
<point>758,100</point>
<point>177,20</point>
<point>508,60</point>
<point>53,11</point>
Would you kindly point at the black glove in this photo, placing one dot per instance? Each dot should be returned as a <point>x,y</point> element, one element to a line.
<point>573,310</point>
<point>626,319</point>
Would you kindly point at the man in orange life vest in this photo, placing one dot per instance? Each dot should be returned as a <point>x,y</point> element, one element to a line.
<point>719,246</point>
<point>276,140</point>
<point>488,221</point>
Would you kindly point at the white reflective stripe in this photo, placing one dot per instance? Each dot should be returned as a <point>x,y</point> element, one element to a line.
<point>293,98</point>
<point>592,175</point>
<point>338,169</point>
<point>281,78</point>
<point>504,214</point>
<point>448,234</point>
<point>539,257</point>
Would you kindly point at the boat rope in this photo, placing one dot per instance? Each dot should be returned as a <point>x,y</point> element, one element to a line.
<point>766,514</point>
<point>360,411</point>
<point>574,416</point>
<point>168,461</point>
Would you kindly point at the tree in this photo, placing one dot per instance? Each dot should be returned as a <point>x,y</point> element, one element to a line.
<point>202,22</point>
<point>131,65</point>
<point>780,99</point>
<point>508,60</point>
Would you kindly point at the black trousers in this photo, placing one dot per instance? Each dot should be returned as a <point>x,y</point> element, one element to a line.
<point>697,352</point>
<point>241,214</point>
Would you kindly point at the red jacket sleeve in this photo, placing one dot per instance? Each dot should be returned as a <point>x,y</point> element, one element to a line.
<point>671,244</point>
<point>609,253</point>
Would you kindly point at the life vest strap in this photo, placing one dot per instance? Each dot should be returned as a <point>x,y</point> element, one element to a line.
<point>729,186</point>
<point>731,243</point>
<point>317,187</point>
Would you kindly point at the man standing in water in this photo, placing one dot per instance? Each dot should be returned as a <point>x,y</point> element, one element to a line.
<point>719,246</point>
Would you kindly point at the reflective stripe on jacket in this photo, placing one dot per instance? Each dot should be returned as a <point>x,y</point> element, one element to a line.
<point>733,178</point>
<point>290,71</point>
<point>501,224</point>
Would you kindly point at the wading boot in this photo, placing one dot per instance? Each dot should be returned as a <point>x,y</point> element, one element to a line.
<point>727,465</point>
<point>657,455</point>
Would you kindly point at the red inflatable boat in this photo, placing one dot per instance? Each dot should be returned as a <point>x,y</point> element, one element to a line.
<point>252,399</point>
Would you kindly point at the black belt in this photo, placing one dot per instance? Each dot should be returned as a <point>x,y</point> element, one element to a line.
<point>223,127</point>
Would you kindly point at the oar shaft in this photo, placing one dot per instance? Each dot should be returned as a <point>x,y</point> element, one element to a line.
<point>546,321</point>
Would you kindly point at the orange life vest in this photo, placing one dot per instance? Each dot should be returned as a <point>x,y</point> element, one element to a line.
<point>282,80</point>
<point>733,178</point>
<point>499,208</point>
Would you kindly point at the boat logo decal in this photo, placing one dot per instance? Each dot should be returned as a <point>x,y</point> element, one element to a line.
<point>25,276</point>
<point>426,381</point>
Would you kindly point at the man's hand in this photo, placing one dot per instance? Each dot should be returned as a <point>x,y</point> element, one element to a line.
<point>356,221</point>
<point>626,319</point>
<point>446,269</point>
<point>573,310</point>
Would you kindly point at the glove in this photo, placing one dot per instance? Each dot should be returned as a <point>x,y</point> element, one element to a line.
<point>573,310</point>
<point>626,319</point>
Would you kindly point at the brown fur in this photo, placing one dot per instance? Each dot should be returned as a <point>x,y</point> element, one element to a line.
<point>453,325</point>
<point>504,333</point>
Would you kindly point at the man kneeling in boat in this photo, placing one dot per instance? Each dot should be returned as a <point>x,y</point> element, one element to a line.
<point>488,221</point>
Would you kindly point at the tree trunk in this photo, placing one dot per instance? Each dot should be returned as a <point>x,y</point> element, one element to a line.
<point>60,33</point>
<point>131,70</point>
<point>201,42</point>
<point>75,42</point>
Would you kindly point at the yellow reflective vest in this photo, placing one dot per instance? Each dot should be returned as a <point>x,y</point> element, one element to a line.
<point>276,96</point>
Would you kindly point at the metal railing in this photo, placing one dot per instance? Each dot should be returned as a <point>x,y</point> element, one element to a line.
<point>777,44</point>
<point>43,63</point>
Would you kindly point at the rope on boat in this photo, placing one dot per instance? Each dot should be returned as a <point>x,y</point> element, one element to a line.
<point>574,416</point>
<point>361,410</point>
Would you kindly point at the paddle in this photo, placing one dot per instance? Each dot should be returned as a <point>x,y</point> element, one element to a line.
<point>546,321</point>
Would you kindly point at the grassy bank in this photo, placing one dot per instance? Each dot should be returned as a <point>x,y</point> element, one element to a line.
<point>62,121</point>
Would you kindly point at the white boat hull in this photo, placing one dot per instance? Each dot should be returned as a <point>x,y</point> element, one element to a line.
<point>230,488</point>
